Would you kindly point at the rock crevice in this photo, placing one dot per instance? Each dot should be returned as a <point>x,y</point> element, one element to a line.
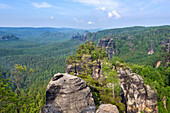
<point>68,94</point>
<point>138,96</point>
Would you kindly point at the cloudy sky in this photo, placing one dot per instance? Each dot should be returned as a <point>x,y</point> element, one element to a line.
<point>84,13</point>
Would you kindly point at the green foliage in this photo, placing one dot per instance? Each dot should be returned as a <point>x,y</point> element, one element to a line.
<point>91,49</point>
<point>111,75</point>
<point>106,89</point>
<point>8,99</point>
<point>40,51</point>
<point>116,61</point>
<point>133,43</point>
<point>45,58</point>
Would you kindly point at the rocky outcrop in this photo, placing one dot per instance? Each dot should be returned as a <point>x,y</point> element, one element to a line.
<point>76,67</point>
<point>108,44</point>
<point>137,96</point>
<point>158,64</point>
<point>151,50</point>
<point>164,102</point>
<point>107,108</point>
<point>68,94</point>
<point>8,38</point>
<point>87,36</point>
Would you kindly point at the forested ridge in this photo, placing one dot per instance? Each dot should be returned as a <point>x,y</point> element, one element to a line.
<point>49,57</point>
<point>134,44</point>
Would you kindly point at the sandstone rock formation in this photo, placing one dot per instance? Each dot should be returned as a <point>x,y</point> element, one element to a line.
<point>107,43</point>
<point>137,96</point>
<point>77,69</point>
<point>68,94</point>
<point>107,108</point>
<point>158,64</point>
<point>87,36</point>
<point>151,51</point>
<point>164,102</point>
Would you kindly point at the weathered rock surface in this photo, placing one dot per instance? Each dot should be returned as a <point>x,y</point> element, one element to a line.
<point>77,69</point>
<point>137,96</point>
<point>151,51</point>
<point>85,37</point>
<point>68,94</point>
<point>107,108</point>
<point>107,43</point>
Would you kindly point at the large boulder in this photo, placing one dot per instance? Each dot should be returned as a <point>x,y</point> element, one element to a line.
<point>68,94</point>
<point>107,108</point>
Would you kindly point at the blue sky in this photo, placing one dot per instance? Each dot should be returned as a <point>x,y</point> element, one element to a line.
<point>84,13</point>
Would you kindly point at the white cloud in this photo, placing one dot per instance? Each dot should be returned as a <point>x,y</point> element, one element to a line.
<point>105,5</point>
<point>102,8</point>
<point>41,5</point>
<point>110,14</point>
<point>90,22</point>
<point>109,4</point>
<point>114,12</point>
<point>52,18</point>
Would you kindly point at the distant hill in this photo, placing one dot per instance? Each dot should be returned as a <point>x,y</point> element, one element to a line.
<point>43,34</point>
<point>8,38</point>
<point>139,45</point>
<point>34,31</point>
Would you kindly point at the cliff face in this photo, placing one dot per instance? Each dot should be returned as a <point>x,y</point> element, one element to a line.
<point>138,96</point>
<point>135,94</point>
<point>166,56</point>
<point>82,38</point>
<point>76,68</point>
<point>68,94</point>
<point>107,43</point>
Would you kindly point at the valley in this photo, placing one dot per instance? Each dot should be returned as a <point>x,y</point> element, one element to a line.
<point>47,51</point>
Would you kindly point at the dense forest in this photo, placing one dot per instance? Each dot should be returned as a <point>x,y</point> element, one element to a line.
<point>46,50</point>
<point>138,45</point>
<point>157,78</point>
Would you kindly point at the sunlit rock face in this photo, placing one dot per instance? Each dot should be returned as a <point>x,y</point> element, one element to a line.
<point>76,68</point>
<point>107,43</point>
<point>138,96</point>
<point>107,108</point>
<point>68,94</point>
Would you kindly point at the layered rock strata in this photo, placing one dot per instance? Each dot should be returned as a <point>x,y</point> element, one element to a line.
<point>138,96</point>
<point>68,94</point>
<point>108,44</point>
<point>76,67</point>
<point>135,94</point>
